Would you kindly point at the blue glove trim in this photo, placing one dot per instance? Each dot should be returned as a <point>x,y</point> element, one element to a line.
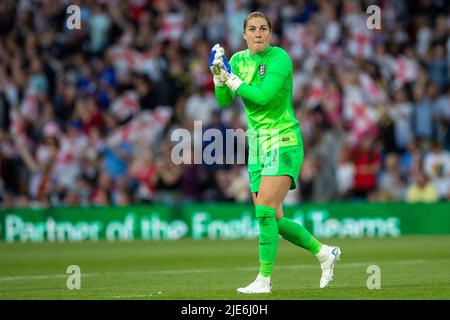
<point>226,64</point>
<point>211,57</point>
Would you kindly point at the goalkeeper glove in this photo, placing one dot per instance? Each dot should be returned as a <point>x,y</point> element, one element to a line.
<point>231,80</point>
<point>215,63</point>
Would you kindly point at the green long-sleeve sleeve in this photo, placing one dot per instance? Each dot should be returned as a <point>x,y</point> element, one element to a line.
<point>265,92</point>
<point>224,96</point>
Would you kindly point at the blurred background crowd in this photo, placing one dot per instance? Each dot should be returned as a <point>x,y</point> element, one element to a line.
<point>86,115</point>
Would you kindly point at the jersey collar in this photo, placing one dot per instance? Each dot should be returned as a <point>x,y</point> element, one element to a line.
<point>259,55</point>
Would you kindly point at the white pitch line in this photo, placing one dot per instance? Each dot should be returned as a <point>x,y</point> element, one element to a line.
<point>44,276</point>
<point>133,296</point>
<point>188,271</point>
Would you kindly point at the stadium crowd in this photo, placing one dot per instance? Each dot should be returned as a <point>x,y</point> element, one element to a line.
<point>86,115</point>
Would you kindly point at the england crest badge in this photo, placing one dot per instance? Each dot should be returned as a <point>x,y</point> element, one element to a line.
<point>262,69</point>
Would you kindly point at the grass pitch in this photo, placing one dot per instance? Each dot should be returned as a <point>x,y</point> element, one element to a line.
<point>411,268</point>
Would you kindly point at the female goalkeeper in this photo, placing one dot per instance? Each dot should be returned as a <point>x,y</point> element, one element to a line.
<point>262,76</point>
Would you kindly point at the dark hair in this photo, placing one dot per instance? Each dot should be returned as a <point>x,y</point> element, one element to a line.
<point>257,14</point>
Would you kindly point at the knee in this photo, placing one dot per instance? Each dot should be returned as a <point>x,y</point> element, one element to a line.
<point>264,213</point>
<point>279,215</point>
<point>272,204</point>
<point>266,202</point>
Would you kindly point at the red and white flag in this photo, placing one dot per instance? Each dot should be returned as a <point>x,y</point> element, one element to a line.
<point>298,38</point>
<point>17,128</point>
<point>359,114</point>
<point>360,42</point>
<point>144,127</point>
<point>172,25</point>
<point>405,71</point>
<point>373,91</point>
<point>315,93</point>
<point>125,105</point>
<point>29,106</point>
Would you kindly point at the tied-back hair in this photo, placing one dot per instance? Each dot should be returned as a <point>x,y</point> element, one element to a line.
<point>257,14</point>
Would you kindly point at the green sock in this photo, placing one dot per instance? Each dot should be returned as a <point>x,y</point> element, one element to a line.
<point>298,235</point>
<point>268,238</point>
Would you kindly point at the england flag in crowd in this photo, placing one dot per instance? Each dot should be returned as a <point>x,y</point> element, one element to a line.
<point>144,127</point>
<point>358,113</point>
<point>405,71</point>
<point>126,105</point>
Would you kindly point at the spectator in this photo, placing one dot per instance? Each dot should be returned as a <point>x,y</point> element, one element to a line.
<point>88,113</point>
<point>424,35</point>
<point>345,173</point>
<point>390,181</point>
<point>121,194</point>
<point>437,167</point>
<point>437,65</point>
<point>148,96</point>
<point>169,175</point>
<point>144,171</point>
<point>424,110</point>
<point>99,25</point>
<point>201,105</point>
<point>116,159</point>
<point>10,174</point>
<point>442,118</point>
<point>386,127</point>
<point>401,113</point>
<point>366,160</point>
<point>422,190</point>
<point>217,128</point>
<point>238,188</point>
<point>83,189</point>
<point>221,192</point>
<point>101,195</point>
<point>191,180</point>
<point>306,179</point>
<point>325,155</point>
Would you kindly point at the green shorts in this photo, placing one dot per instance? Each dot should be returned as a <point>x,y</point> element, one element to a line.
<point>277,162</point>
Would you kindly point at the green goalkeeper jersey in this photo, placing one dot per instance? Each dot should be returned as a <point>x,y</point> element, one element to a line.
<point>267,94</point>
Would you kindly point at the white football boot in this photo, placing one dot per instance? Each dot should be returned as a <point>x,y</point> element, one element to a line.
<point>328,256</point>
<point>260,285</point>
